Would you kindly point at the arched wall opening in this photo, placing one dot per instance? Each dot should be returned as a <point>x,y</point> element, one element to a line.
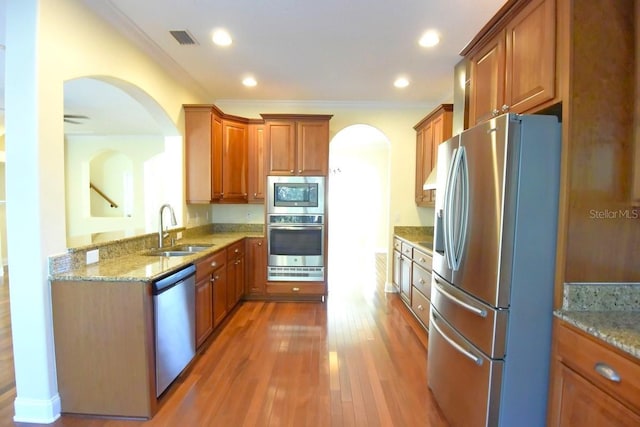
<point>359,185</point>
<point>112,197</point>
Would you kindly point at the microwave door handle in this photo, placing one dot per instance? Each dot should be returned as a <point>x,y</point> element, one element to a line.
<point>294,228</point>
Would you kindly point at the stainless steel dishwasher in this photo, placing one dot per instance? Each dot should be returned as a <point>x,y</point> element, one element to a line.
<point>174,320</point>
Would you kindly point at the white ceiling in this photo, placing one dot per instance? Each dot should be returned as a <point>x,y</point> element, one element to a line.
<point>329,50</point>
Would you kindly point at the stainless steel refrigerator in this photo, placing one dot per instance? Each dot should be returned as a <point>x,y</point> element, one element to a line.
<point>493,263</point>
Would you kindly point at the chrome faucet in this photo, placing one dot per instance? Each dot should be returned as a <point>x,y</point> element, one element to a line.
<point>161,233</point>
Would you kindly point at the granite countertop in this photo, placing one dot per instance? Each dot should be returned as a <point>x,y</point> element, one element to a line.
<point>138,267</point>
<point>607,311</point>
<point>417,236</point>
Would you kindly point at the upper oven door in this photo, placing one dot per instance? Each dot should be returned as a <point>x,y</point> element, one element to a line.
<point>295,194</point>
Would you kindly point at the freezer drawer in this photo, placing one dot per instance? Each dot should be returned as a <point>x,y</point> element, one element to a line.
<point>483,325</point>
<point>465,383</point>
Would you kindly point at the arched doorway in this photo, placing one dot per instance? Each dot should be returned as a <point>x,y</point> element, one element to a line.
<point>358,205</point>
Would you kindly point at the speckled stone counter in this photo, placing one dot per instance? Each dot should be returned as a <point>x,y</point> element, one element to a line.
<point>419,236</point>
<point>608,311</point>
<point>126,260</point>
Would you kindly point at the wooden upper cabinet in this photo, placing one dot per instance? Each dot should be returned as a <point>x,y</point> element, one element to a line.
<point>431,131</point>
<point>256,173</point>
<point>234,161</point>
<point>487,81</point>
<point>216,148</point>
<point>312,148</point>
<point>531,53</point>
<point>281,153</point>
<point>297,144</point>
<point>513,63</point>
<point>198,154</point>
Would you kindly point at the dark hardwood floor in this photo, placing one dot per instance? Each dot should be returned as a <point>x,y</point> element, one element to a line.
<point>357,360</point>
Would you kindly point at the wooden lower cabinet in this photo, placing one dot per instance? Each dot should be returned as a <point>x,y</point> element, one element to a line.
<point>104,341</point>
<point>219,292</point>
<point>584,391</point>
<point>207,294</point>
<point>204,310</point>
<point>235,273</point>
<point>256,273</point>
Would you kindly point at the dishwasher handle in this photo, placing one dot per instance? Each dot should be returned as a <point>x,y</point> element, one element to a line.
<point>173,279</point>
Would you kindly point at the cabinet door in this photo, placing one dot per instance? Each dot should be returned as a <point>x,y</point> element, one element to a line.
<point>256,266</point>
<point>530,56</point>
<point>234,166</point>
<point>240,278</point>
<point>204,310</point>
<point>487,80</point>
<point>256,173</point>
<point>405,280</point>
<point>583,404</point>
<point>312,148</point>
<point>281,148</point>
<point>198,145</point>
<point>397,269</point>
<point>424,153</point>
<point>219,281</point>
<point>216,158</point>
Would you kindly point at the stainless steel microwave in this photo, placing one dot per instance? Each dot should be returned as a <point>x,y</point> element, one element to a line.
<point>295,194</point>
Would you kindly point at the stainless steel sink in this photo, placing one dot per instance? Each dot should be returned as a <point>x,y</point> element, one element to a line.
<point>178,250</point>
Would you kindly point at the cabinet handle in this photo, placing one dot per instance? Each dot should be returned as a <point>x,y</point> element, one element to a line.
<point>607,371</point>
<point>505,108</point>
<point>420,307</point>
<point>295,289</point>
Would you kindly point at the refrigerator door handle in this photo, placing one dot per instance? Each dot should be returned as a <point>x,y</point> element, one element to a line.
<point>477,360</point>
<point>447,211</point>
<point>475,310</point>
<point>462,211</point>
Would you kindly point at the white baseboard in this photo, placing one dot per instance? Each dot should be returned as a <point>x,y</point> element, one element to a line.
<point>389,288</point>
<point>37,411</point>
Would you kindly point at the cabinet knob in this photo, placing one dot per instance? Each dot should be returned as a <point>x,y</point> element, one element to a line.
<point>299,170</point>
<point>291,171</point>
<point>505,108</point>
<point>259,243</point>
<point>255,194</point>
<point>495,112</point>
<point>420,307</point>
<point>422,259</point>
<point>237,250</point>
<point>295,289</point>
<point>422,281</point>
<point>214,264</point>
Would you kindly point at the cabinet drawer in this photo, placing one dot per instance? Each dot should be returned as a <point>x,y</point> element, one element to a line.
<point>293,289</point>
<point>421,279</point>
<point>423,259</point>
<point>585,354</point>
<point>235,250</point>
<point>397,244</point>
<point>205,267</point>
<point>420,306</point>
<point>407,250</point>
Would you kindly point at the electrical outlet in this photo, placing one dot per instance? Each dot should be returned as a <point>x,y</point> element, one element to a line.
<point>93,256</point>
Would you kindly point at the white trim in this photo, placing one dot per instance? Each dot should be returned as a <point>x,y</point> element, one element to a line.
<point>389,288</point>
<point>37,411</point>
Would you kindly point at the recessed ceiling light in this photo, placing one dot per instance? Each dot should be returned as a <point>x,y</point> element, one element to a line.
<point>429,39</point>
<point>401,82</point>
<point>249,82</point>
<point>221,37</point>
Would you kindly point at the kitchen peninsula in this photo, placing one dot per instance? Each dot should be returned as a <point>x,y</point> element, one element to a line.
<point>103,314</point>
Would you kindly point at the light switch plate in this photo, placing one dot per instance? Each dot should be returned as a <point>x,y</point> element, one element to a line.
<point>93,256</point>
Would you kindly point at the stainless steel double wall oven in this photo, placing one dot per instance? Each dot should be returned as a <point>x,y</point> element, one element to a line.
<point>296,228</point>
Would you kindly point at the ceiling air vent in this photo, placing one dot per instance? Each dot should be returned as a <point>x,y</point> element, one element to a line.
<point>183,37</point>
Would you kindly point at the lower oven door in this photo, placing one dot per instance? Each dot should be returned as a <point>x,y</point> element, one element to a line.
<point>296,246</point>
